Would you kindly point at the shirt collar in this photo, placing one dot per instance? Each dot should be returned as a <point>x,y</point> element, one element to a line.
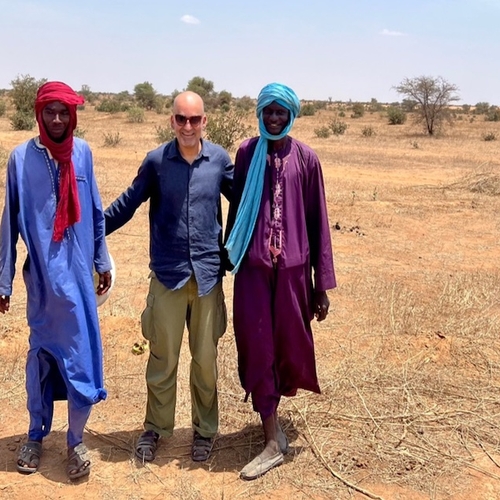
<point>175,153</point>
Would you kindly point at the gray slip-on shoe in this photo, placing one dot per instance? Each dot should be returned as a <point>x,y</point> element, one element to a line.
<point>259,466</point>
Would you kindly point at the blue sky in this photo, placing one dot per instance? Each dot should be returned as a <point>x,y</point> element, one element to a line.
<point>349,49</point>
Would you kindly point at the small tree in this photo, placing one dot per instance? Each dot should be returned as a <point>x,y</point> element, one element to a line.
<point>145,95</point>
<point>205,88</point>
<point>433,95</point>
<point>23,93</point>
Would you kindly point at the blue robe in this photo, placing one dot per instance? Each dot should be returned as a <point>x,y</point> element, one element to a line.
<point>65,352</point>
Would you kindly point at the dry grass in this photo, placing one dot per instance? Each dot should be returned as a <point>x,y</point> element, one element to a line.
<point>408,359</point>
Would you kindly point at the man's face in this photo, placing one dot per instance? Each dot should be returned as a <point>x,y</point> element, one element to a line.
<point>56,119</point>
<point>188,120</point>
<point>275,118</point>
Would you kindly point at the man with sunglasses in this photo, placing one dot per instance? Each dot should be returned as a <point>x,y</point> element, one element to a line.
<point>183,179</point>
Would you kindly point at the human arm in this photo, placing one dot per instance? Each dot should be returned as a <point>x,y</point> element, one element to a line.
<point>318,233</point>
<point>125,206</point>
<point>9,235</point>
<point>227,177</point>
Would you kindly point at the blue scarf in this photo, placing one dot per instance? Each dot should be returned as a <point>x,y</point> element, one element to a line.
<point>246,216</point>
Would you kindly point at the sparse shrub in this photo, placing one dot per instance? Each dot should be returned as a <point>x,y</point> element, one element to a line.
<point>493,114</point>
<point>3,108</point>
<point>337,127</point>
<point>358,110</point>
<point>225,128</point>
<point>135,115</point>
<point>368,132</point>
<point>164,134</point>
<point>489,136</point>
<point>112,139</point>
<point>322,132</point>
<point>466,108</point>
<point>415,145</point>
<point>342,114</point>
<point>396,116</point>
<point>22,120</point>
<point>79,132</point>
<point>109,106</point>
<point>307,110</point>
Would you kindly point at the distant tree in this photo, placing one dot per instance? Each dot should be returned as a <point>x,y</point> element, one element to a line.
<point>433,95</point>
<point>205,88</point>
<point>481,108</point>
<point>245,103</point>
<point>358,110</point>
<point>145,95</point>
<point>493,114</point>
<point>466,108</point>
<point>23,93</point>
<point>89,96</point>
<point>224,99</point>
<point>374,105</point>
<point>409,105</point>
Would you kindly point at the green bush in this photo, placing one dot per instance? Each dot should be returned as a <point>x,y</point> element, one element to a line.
<point>3,108</point>
<point>396,116</point>
<point>493,114</point>
<point>322,132</point>
<point>112,139</point>
<point>164,134</point>
<point>111,106</point>
<point>135,115</point>
<point>307,110</point>
<point>22,120</point>
<point>490,136</point>
<point>337,127</point>
<point>358,110</point>
<point>225,128</point>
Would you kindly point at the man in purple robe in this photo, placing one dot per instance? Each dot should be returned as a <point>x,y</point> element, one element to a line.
<point>52,201</point>
<point>279,243</point>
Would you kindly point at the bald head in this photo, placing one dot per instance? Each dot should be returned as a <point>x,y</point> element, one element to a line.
<point>188,121</point>
<point>190,102</point>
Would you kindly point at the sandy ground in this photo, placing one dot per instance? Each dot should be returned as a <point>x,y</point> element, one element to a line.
<point>408,359</point>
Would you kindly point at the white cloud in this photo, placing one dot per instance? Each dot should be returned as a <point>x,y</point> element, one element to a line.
<point>387,32</point>
<point>186,18</point>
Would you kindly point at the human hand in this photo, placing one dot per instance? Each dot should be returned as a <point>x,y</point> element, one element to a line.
<point>4,303</point>
<point>104,282</point>
<point>321,305</point>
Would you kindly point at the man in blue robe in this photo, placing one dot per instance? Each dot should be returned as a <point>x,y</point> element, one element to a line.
<point>52,201</point>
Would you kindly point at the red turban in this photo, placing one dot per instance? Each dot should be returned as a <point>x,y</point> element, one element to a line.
<point>68,207</point>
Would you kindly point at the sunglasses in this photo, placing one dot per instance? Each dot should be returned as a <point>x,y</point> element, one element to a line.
<point>181,120</point>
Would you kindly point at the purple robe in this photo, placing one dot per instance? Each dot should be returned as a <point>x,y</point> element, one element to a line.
<point>273,304</point>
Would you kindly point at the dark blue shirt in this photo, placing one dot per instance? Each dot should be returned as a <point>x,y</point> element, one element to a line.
<point>185,218</point>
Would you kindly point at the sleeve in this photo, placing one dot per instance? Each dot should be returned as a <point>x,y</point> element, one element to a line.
<point>9,230</point>
<point>125,206</point>
<point>318,228</point>
<point>102,261</point>
<point>227,177</point>
<point>238,183</point>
